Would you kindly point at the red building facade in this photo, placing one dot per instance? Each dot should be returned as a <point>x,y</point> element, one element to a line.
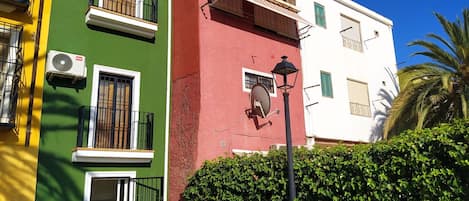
<point>220,48</point>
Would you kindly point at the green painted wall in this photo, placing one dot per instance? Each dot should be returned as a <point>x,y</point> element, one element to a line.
<point>58,178</point>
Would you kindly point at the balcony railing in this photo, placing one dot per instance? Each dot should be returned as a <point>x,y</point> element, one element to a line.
<point>111,128</point>
<point>143,9</point>
<point>360,109</point>
<point>352,44</point>
<point>148,189</point>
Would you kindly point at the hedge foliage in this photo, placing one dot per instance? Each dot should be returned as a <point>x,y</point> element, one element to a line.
<point>430,164</point>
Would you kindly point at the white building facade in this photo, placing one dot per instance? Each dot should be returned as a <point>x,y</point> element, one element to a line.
<point>349,68</point>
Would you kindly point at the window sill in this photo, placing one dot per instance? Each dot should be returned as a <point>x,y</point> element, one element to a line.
<point>110,20</point>
<point>96,155</point>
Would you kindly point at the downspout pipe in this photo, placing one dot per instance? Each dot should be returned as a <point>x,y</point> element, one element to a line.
<point>33,74</point>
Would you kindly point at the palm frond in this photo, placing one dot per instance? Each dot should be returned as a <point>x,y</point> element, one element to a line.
<point>437,54</point>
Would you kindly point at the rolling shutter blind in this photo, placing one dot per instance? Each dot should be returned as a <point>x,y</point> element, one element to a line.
<point>275,22</point>
<point>232,6</point>
<point>358,97</point>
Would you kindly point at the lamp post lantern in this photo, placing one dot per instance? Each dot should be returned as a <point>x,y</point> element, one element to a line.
<point>285,68</point>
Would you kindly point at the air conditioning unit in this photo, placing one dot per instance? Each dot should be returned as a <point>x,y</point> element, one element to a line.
<point>67,65</point>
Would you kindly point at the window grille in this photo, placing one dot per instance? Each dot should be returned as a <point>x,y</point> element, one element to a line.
<point>11,63</point>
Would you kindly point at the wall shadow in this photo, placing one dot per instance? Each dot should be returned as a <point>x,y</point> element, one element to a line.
<point>56,174</point>
<point>382,106</point>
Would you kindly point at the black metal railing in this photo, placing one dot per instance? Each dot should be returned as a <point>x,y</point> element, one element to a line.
<point>148,189</point>
<point>11,64</point>
<point>100,127</point>
<point>138,189</point>
<point>143,9</point>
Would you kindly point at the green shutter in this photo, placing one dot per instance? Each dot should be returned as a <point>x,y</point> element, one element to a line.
<point>319,15</point>
<point>326,84</point>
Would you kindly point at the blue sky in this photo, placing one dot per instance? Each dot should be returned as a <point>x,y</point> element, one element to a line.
<point>413,19</point>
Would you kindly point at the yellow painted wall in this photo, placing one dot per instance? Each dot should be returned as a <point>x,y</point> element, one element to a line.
<point>18,163</point>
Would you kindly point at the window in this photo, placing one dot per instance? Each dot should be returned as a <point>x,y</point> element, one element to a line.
<point>115,101</point>
<point>320,16</point>
<point>112,127</point>
<point>113,112</point>
<point>351,34</point>
<point>10,69</point>
<point>358,97</point>
<point>109,186</point>
<point>326,84</point>
<point>252,77</point>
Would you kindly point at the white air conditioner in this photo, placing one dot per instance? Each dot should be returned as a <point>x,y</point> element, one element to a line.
<point>67,65</point>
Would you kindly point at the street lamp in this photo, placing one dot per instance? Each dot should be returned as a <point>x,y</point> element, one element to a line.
<point>285,68</point>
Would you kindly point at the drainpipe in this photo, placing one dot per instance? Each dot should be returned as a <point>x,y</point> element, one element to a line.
<point>34,72</point>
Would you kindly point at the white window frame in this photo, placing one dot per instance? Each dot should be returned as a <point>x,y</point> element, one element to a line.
<point>138,7</point>
<point>97,69</point>
<point>8,83</point>
<point>96,174</point>
<point>247,70</point>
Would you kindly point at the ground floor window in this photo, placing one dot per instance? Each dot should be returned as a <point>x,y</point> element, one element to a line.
<point>109,186</point>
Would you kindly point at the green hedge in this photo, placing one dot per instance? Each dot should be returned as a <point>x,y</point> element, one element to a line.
<point>430,164</point>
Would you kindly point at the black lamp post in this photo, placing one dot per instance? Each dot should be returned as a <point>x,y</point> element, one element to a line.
<point>285,68</point>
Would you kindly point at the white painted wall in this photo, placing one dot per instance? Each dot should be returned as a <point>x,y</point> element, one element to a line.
<point>323,50</point>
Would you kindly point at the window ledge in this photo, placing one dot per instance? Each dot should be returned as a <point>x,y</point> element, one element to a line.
<point>110,20</point>
<point>94,155</point>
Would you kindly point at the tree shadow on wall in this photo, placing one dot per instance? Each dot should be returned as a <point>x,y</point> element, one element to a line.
<point>382,106</point>
<point>56,182</point>
<point>57,175</point>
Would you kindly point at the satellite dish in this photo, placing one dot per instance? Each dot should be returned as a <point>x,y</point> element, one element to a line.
<point>62,62</point>
<point>260,100</point>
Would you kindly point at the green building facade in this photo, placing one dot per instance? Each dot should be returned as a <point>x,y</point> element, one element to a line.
<point>104,115</point>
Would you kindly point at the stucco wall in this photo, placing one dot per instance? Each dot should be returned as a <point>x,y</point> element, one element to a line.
<point>58,177</point>
<point>323,50</point>
<point>17,153</point>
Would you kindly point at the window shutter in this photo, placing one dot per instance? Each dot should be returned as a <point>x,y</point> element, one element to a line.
<point>358,97</point>
<point>326,84</point>
<point>232,6</point>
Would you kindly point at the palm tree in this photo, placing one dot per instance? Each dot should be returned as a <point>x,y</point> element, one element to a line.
<point>436,91</point>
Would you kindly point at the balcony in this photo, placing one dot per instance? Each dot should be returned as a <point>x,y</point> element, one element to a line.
<point>352,44</point>
<point>149,188</point>
<point>360,109</point>
<point>136,17</point>
<point>9,6</point>
<point>107,135</point>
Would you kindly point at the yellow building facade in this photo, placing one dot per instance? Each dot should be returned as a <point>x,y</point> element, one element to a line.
<point>24,26</point>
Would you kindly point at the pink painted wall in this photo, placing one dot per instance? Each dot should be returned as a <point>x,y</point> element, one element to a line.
<point>228,44</point>
<point>208,104</point>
